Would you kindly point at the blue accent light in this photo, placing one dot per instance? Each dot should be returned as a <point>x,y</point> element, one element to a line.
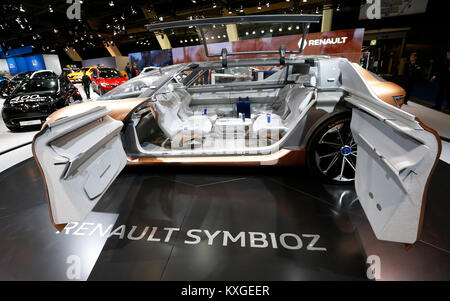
<point>346,151</point>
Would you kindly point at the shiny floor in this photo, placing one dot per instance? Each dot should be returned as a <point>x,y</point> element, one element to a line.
<point>170,223</point>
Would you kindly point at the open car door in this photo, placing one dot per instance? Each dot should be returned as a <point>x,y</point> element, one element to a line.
<point>396,158</point>
<point>79,157</point>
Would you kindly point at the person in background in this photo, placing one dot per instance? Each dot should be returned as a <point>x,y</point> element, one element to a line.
<point>64,80</point>
<point>128,70</point>
<point>134,71</point>
<point>412,74</point>
<point>441,74</point>
<point>86,81</point>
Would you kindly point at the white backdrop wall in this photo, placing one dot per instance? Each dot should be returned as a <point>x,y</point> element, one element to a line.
<point>52,63</point>
<point>4,66</point>
<point>121,62</point>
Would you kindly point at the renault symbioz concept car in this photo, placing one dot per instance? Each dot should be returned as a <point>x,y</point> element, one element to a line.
<point>319,111</point>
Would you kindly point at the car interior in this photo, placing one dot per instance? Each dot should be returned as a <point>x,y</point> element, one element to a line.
<point>196,116</point>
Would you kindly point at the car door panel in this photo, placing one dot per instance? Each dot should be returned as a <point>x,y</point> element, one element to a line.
<point>395,162</point>
<point>79,157</point>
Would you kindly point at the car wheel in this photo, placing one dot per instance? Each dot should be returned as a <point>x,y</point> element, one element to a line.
<point>331,151</point>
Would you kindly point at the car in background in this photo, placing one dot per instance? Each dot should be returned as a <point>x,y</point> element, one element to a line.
<point>76,76</point>
<point>4,81</point>
<point>8,88</point>
<point>105,79</point>
<point>34,99</point>
<point>326,113</point>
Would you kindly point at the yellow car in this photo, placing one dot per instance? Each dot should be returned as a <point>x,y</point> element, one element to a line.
<point>76,76</point>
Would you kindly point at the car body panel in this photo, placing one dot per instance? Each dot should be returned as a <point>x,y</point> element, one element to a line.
<point>79,169</point>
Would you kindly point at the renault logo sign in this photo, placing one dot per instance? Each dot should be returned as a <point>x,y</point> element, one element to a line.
<point>320,42</point>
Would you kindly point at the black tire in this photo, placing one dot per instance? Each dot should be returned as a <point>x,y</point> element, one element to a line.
<point>331,151</point>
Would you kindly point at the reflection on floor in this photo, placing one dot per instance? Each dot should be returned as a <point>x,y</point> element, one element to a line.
<point>167,223</point>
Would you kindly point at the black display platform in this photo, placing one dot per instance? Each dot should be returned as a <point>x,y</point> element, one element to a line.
<point>285,204</point>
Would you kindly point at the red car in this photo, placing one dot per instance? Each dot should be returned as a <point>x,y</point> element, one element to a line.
<point>106,79</point>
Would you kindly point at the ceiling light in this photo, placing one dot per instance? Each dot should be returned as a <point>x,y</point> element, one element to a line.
<point>111,3</point>
<point>21,8</point>
<point>259,5</point>
<point>50,9</point>
<point>268,4</point>
<point>214,5</point>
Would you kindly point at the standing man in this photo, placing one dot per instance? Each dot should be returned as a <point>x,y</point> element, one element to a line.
<point>128,70</point>
<point>412,74</point>
<point>134,70</point>
<point>86,81</point>
<point>442,76</point>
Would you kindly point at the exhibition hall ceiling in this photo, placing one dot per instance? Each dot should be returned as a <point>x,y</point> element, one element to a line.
<point>44,24</point>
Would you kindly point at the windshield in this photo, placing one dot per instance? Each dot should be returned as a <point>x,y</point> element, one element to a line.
<point>21,76</point>
<point>138,85</point>
<point>37,86</point>
<point>109,73</point>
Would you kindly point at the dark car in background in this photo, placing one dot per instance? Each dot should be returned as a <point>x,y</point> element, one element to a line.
<point>30,103</point>
<point>4,81</point>
<point>7,88</point>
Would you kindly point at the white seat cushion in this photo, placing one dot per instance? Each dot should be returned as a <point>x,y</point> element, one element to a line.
<point>268,122</point>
